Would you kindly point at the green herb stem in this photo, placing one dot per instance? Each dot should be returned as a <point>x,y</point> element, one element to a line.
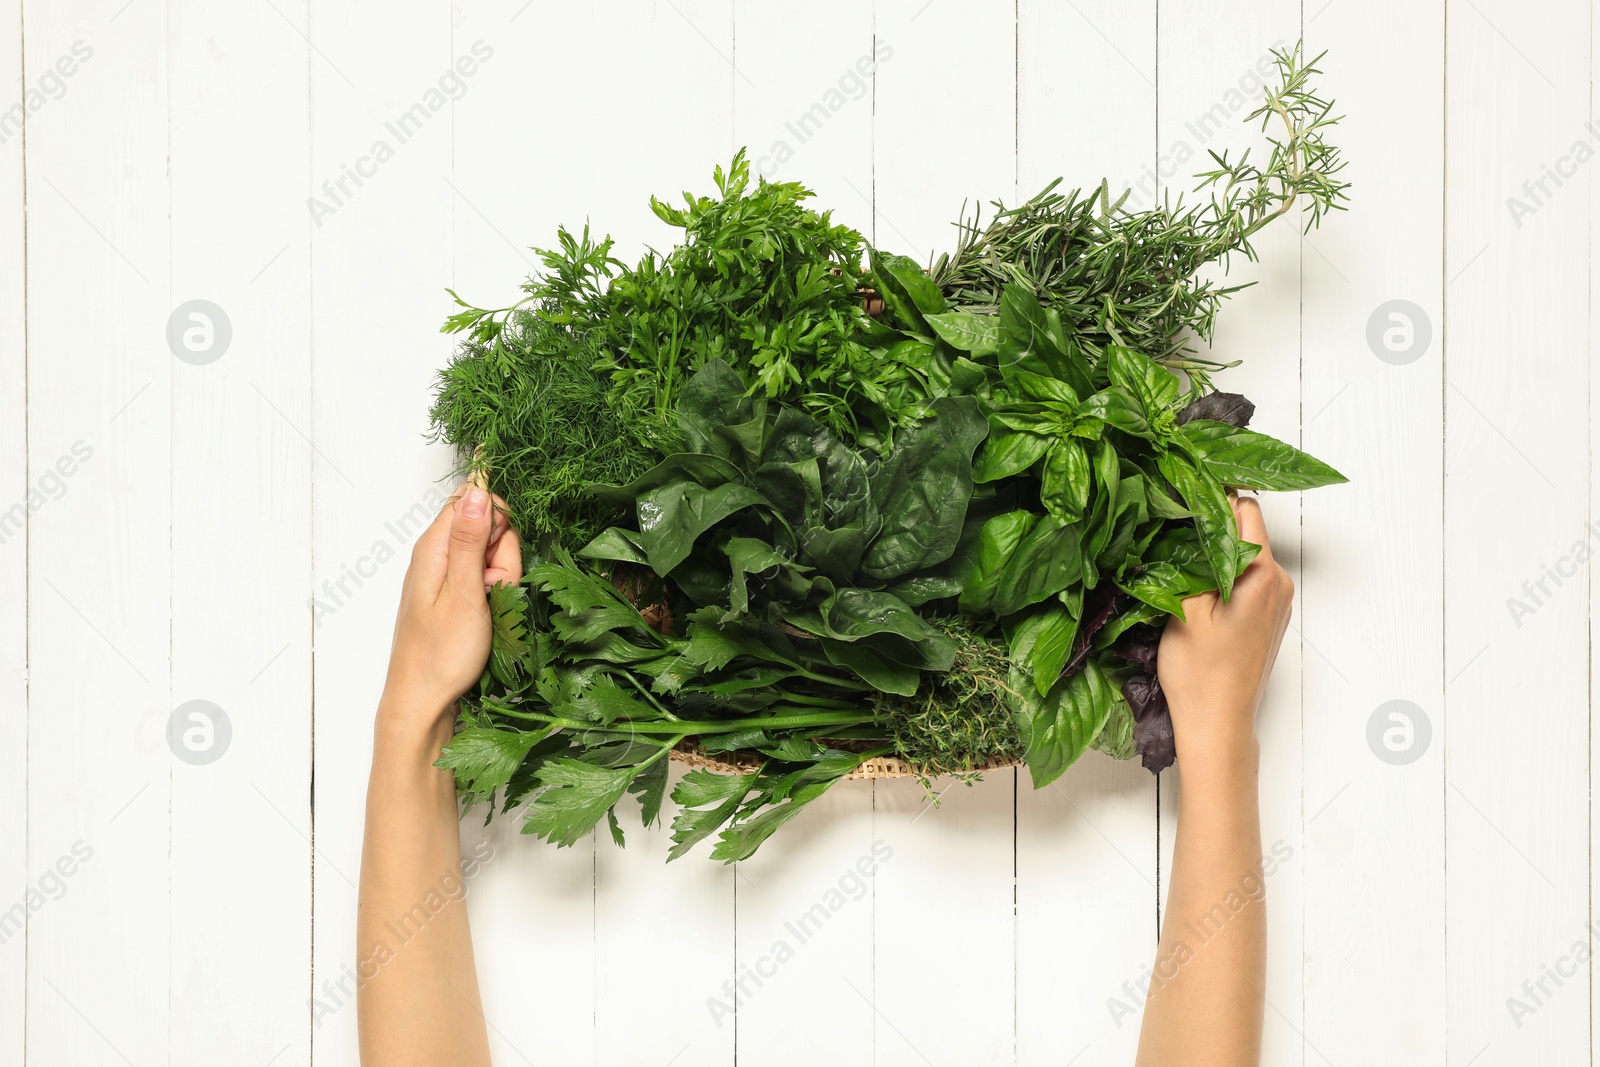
<point>690,728</point>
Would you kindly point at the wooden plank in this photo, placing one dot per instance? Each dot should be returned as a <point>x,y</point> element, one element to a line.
<point>806,114</point>
<point>241,478</point>
<point>380,220</point>
<point>1370,599</point>
<point>680,916</point>
<point>1517,822</point>
<point>15,872</point>
<point>1086,859</point>
<point>963,1007</point>
<point>99,565</point>
<point>1215,64</point>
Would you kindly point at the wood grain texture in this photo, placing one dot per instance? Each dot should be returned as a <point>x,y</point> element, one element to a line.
<point>100,566</point>
<point>1518,896</point>
<point>1370,600</point>
<point>241,478</point>
<point>16,872</point>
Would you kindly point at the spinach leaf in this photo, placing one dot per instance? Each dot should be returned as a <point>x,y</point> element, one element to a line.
<point>870,663</point>
<point>673,517</point>
<point>848,614</point>
<point>922,489</point>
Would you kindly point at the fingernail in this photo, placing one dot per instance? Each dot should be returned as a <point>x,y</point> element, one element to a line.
<point>475,503</point>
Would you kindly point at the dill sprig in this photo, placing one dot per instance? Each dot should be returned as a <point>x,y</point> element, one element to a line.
<point>531,408</point>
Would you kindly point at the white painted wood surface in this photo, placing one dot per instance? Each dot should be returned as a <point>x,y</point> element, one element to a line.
<point>14,873</point>
<point>235,531</point>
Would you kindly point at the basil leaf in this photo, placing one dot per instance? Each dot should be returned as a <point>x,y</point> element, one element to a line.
<point>907,292</point>
<point>1155,386</point>
<point>1058,726</point>
<point>1252,460</point>
<point>1213,520</point>
<point>1163,586</point>
<point>1046,561</point>
<point>978,335</point>
<point>1006,454</point>
<point>997,543</point>
<point>1128,514</point>
<point>1232,408</point>
<point>1042,643</point>
<point>1120,409</point>
<point>1038,388</point>
<point>1116,737</point>
<point>1064,483</point>
<point>1036,344</point>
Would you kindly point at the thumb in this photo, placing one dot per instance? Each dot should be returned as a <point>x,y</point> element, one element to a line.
<point>469,539</point>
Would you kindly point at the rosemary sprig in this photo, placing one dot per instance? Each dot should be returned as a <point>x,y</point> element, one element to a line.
<point>1131,278</point>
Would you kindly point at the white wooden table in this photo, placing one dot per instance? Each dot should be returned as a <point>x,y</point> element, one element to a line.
<point>232,526</point>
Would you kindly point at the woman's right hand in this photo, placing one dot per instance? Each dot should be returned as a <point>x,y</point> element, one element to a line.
<point>1213,664</point>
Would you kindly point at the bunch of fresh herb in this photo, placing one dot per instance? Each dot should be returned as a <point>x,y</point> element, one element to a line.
<point>1131,278</point>
<point>948,532</point>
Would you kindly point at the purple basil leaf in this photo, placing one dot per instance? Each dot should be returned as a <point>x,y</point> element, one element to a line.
<point>1095,621</point>
<point>1231,408</point>
<point>1152,722</point>
<point>1139,645</point>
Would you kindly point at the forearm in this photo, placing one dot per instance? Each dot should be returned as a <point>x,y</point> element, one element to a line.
<point>1205,1005</point>
<point>419,993</point>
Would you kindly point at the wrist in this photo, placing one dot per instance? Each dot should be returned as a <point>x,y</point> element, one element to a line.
<point>1226,747</point>
<point>1221,767</point>
<point>408,724</point>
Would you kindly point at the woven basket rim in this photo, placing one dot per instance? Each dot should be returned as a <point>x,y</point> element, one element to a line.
<point>878,767</point>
